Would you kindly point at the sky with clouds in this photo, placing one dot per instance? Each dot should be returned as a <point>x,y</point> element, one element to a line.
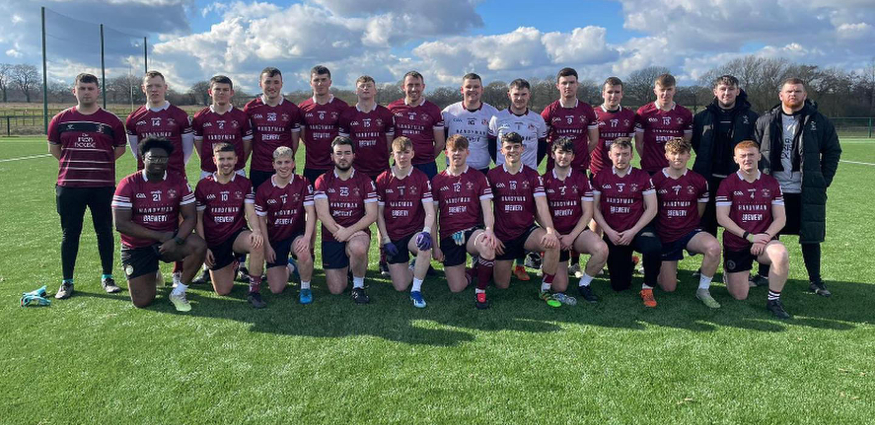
<point>190,40</point>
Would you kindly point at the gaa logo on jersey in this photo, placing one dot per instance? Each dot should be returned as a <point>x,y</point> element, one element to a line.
<point>141,122</point>
<point>607,187</point>
<point>171,193</point>
<point>258,116</point>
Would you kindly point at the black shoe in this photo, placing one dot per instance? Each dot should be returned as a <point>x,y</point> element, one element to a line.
<point>242,274</point>
<point>203,279</point>
<point>65,291</point>
<point>587,294</point>
<point>777,309</point>
<point>359,296</point>
<point>109,286</point>
<point>254,298</point>
<point>819,288</point>
<point>384,269</point>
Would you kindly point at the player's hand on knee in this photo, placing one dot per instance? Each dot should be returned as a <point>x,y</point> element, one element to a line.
<point>566,243</point>
<point>390,248</point>
<point>269,254</point>
<point>423,241</point>
<point>255,239</point>
<point>210,260</point>
<point>437,254</point>
<point>302,245</point>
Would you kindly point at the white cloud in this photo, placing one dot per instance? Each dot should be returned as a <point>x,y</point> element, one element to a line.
<point>857,31</point>
<point>13,53</point>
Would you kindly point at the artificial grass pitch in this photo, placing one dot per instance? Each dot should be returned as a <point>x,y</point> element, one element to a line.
<point>96,359</point>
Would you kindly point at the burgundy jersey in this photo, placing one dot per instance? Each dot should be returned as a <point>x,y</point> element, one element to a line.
<point>222,205</point>
<point>169,122</point>
<point>572,123</point>
<point>659,127</point>
<point>619,123</point>
<point>566,198</point>
<point>346,198</point>
<point>88,145</point>
<point>402,200</point>
<point>418,123</point>
<point>514,202</point>
<point>154,205</point>
<point>750,205</point>
<point>369,130</point>
<point>621,199</point>
<point>272,127</point>
<point>458,199</point>
<point>211,128</point>
<point>284,207</point>
<point>320,128</point>
<point>678,203</point>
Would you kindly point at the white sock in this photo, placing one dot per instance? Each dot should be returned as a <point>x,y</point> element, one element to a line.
<point>644,286</point>
<point>180,288</point>
<point>417,285</point>
<point>358,282</point>
<point>545,286</point>
<point>585,280</point>
<point>705,281</point>
<point>305,284</point>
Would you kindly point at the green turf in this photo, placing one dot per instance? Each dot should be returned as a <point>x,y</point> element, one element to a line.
<point>97,359</point>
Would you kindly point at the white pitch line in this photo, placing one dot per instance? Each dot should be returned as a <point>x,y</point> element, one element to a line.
<point>858,163</point>
<point>22,158</point>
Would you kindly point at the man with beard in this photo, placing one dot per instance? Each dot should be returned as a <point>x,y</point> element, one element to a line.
<point>800,148</point>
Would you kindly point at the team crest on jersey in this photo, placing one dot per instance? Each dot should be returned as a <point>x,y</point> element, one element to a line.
<point>356,192</point>
<point>582,118</point>
<point>626,122</point>
<point>378,122</point>
<point>633,187</point>
<point>238,195</point>
<point>525,185</point>
<point>470,186</point>
<point>767,193</point>
<point>296,197</point>
<point>171,193</point>
<point>532,127</point>
<point>426,117</point>
<point>234,124</point>
<point>691,190</point>
<point>171,122</point>
<point>680,121</point>
<point>156,121</point>
<point>413,190</point>
<point>285,117</point>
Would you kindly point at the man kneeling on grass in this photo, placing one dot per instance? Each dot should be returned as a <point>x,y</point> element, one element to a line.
<point>406,216</point>
<point>146,208</point>
<point>287,215</point>
<point>683,195</point>
<point>750,207</point>
<point>225,203</point>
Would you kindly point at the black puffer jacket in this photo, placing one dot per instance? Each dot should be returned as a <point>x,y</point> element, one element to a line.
<point>816,154</point>
<point>705,132</point>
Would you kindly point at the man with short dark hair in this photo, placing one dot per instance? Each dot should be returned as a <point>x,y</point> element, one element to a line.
<point>221,123</point>
<point>275,122</point>
<point>658,122</point>
<point>421,121</point>
<point>320,115</point>
<point>371,127</point>
<point>569,117</point>
<point>724,123</point>
<point>801,149</point>
<point>146,209</point>
<point>346,203</point>
<point>86,140</point>
<point>470,118</point>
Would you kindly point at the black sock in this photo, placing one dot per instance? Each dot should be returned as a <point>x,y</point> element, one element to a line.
<point>811,256</point>
<point>764,270</point>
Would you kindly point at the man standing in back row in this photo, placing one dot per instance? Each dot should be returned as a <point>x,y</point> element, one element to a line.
<point>86,140</point>
<point>659,122</point>
<point>570,118</point>
<point>470,118</point>
<point>321,114</point>
<point>421,122</point>
<point>800,148</point>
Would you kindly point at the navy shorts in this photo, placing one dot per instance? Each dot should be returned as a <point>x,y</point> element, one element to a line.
<point>737,261</point>
<point>674,251</point>
<point>455,255</point>
<point>515,248</point>
<point>334,255</point>
<point>403,253</point>
<point>223,253</point>
<point>141,261</point>
<point>283,249</point>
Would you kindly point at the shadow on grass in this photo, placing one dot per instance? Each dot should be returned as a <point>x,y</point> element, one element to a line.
<point>450,318</point>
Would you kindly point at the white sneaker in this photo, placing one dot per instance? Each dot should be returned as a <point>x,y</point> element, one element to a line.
<point>178,300</point>
<point>177,279</point>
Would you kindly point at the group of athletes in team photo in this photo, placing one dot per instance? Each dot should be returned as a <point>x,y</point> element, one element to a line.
<point>757,177</point>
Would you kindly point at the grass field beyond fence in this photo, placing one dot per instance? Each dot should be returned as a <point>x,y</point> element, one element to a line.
<point>95,359</point>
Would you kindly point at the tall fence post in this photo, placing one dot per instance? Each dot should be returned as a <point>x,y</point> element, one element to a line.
<point>45,79</point>
<point>102,68</point>
<point>870,127</point>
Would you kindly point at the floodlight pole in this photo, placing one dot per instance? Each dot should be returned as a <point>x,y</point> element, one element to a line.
<point>102,68</point>
<point>45,78</point>
<point>145,55</point>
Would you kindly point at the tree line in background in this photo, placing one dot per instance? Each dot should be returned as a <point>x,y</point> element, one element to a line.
<point>837,92</point>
